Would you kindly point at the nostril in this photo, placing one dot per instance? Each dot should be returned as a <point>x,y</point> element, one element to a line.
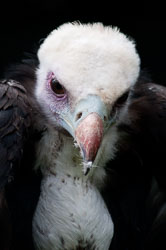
<point>78,116</point>
<point>105,118</point>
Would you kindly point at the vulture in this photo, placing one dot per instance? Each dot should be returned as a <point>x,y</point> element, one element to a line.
<point>82,146</point>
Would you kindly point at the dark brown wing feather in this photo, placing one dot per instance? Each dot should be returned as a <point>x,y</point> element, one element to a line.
<point>15,120</point>
<point>25,124</point>
<point>14,124</point>
<point>137,199</point>
<point>148,123</point>
<point>149,104</point>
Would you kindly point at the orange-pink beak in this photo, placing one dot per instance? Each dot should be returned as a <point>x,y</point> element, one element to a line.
<point>89,134</point>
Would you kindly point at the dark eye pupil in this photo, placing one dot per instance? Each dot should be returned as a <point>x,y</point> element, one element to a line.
<point>57,87</point>
<point>122,99</point>
<point>120,102</point>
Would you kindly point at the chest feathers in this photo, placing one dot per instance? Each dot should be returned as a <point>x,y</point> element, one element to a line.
<point>71,213</point>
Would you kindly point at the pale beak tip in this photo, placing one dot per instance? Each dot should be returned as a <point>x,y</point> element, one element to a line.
<point>86,167</point>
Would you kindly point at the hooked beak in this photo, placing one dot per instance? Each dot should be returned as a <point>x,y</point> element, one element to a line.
<point>87,124</point>
<point>89,135</point>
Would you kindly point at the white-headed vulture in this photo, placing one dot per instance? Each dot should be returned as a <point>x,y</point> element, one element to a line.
<point>82,146</point>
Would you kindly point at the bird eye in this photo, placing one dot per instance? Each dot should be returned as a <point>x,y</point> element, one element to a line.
<point>57,88</point>
<point>122,99</point>
<point>120,102</point>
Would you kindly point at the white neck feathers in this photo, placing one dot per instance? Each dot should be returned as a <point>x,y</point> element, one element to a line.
<point>71,213</point>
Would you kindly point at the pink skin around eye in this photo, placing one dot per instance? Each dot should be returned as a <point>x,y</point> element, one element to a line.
<point>57,103</point>
<point>59,97</point>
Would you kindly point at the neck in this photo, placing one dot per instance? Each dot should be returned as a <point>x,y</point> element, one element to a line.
<point>73,212</point>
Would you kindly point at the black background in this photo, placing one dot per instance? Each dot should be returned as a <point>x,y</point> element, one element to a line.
<point>24,24</point>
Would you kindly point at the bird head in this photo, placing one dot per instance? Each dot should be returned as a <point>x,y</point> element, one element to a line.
<point>84,72</point>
